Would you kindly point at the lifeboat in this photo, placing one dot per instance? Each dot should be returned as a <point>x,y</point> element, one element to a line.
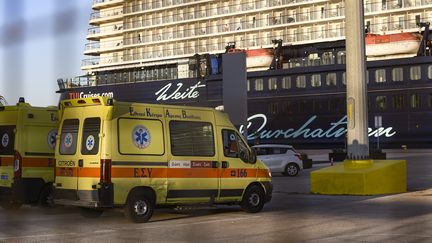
<point>392,44</point>
<point>257,57</point>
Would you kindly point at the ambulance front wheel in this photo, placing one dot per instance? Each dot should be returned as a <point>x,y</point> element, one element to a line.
<point>253,199</point>
<point>139,207</point>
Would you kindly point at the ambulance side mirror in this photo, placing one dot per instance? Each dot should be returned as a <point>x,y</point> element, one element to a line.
<point>253,156</point>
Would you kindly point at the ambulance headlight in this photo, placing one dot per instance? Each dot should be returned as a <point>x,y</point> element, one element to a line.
<point>269,173</point>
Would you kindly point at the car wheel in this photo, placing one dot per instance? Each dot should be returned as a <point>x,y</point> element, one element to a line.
<point>253,199</point>
<point>139,207</point>
<point>91,212</point>
<point>291,169</point>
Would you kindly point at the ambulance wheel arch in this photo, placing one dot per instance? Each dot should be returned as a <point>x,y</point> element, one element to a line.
<point>253,198</point>
<point>140,204</point>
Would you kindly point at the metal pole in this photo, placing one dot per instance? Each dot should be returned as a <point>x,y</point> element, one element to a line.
<point>358,141</point>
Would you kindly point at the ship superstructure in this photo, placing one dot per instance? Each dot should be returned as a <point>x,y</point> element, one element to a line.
<point>153,40</point>
<point>171,52</point>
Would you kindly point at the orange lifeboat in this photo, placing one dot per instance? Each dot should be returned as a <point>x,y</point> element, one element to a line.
<point>392,44</point>
<point>257,57</point>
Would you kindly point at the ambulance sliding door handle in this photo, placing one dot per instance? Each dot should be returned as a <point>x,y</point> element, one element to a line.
<point>80,163</point>
<point>225,164</point>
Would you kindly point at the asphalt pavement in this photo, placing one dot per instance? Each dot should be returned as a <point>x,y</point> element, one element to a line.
<point>293,215</point>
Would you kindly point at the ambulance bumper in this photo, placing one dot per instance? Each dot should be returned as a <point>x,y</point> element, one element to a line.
<point>102,197</point>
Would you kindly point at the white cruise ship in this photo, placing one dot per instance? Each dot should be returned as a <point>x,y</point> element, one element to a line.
<point>165,50</point>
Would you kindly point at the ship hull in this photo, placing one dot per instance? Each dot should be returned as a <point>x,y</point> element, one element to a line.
<point>310,117</point>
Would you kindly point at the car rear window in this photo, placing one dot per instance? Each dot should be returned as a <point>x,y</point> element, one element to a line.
<point>90,138</point>
<point>279,151</point>
<point>69,135</point>
<point>7,136</point>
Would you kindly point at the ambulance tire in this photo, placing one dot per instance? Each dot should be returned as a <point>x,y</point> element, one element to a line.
<point>253,199</point>
<point>140,206</point>
<point>91,212</point>
<point>46,199</point>
<point>10,205</point>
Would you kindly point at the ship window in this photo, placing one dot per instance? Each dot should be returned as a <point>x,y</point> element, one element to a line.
<point>331,79</point>
<point>380,75</point>
<point>380,102</point>
<point>272,83</point>
<point>273,108</point>
<point>286,83</point>
<point>415,73</point>
<point>287,107</point>
<point>341,57</point>
<point>248,85</point>
<point>327,58</point>
<point>397,74</point>
<point>344,78</point>
<point>301,81</point>
<point>430,100</point>
<point>430,72</point>
<point>398,102</point>
<point>259,85</point>
<point>316,80</point>
<point>415,101</point>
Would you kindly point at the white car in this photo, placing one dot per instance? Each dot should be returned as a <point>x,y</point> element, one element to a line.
<point>280,158</point>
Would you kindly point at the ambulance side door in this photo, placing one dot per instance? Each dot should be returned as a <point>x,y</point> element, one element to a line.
<point>236,171</point>
<point>192,169</point>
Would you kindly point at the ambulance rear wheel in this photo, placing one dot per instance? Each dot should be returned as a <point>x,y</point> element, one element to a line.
<point>46,199</point>
<point>253,199</point>
<point>139,207</point>
<point>91,212</point>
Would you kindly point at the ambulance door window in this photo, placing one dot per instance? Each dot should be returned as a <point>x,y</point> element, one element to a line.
<point>192,138</point>
<point>7,136</point>
<point>234,146</point>
<point>90,138</point>
<point>69,136</point>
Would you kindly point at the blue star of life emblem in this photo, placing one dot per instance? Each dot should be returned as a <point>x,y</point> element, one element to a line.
<point>90,142</point>
<point>68,140</point>
<point>141,137</point>
<point>5,140</point>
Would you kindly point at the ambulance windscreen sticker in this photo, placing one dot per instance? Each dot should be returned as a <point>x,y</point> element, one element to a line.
<point>90,142</point>
<point>68,140</point>
<point>52,138</point>
<point>5,140</point>
<point>141,137</point>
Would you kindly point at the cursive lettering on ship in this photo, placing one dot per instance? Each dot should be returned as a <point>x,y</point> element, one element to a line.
<point>178,93</point>
<point>335,129</point>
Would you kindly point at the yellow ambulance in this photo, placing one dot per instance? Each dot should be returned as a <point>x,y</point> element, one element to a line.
<point>137,156</point>
<point>28,136</point>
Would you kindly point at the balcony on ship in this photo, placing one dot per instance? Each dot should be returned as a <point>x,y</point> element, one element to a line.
<point>100,4</point>
<point>106,15</point>
<point>96,33</point>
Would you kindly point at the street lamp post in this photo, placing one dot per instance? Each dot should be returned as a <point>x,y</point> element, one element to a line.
<point>358,141</point>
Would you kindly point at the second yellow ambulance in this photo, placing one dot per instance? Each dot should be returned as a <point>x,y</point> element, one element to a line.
<point>28,136</point>
<point>137,156</point>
